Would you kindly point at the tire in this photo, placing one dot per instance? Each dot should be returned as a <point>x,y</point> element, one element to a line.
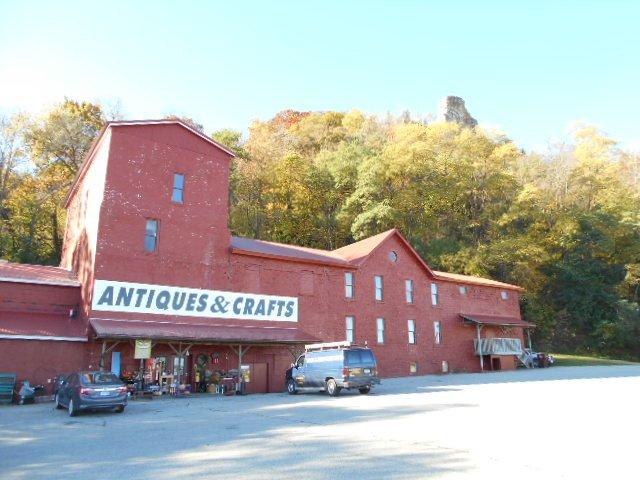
<point>58,404</point>
<point>332,388</point>
<point>73,411</point>
<point>119,409</point>
<point>291,387</point>
<point>364,390</point>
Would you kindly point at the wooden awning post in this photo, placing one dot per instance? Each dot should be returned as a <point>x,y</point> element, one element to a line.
<point>529,338</point>
<point>106,351</point>
<point>478,328</point>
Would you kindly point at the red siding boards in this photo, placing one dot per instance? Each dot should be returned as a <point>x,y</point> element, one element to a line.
<point>128,178</point>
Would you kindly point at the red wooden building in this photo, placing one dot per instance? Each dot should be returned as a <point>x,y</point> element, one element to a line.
<point>148,255</point>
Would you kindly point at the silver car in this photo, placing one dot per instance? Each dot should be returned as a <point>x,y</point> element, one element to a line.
<point>91,391</point>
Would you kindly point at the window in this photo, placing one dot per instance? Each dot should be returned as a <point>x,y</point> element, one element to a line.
<point>437,332</point>
<point>434,294</point>
<point>408,288</point>
<point>178,188</point>
<point>379,288</point>
<point>463,289</point>
<point>393,256</point>
<point>151,235</point>
<point>411,327</point>
<point>380,325</point>
<point>351,332</point>
<point>349,290</point>
<point>445,366</point>
<point>413,367</point>
<point>505,295</point>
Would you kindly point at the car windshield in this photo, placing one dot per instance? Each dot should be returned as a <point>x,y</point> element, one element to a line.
<point>99,377</point>
<point>360,358</point>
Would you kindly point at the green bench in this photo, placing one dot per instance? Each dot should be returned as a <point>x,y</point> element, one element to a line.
<point>7,384</point>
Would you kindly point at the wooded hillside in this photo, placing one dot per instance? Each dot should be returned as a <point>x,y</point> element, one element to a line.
<point>565,224</point>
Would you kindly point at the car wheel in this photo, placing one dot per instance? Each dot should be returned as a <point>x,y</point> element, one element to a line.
<point>364,390</point>
<point>119,409</point>
<point>332,388</point>
<point>291,387</point>
<point>58,404</point>
<point>72,408</point>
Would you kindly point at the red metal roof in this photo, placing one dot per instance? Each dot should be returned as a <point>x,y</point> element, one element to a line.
<point>456,277</point>
<point>24,273</point>
<point>358,252</point>
<point>496,320</point>
<point>199,332</point>
<point>261,248</point>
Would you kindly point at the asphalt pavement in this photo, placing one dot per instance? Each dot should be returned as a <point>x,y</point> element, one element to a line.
<point>555,423</point>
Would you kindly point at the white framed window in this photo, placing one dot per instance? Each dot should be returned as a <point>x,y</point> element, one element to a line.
<point>463,289</point>
<point>445,366</point>
<point>349,288</point>
<point>350,323</point>
<point>178,188</point>
<point>411,328</point>
<point>408,289</point>
<point>151,235</point>
<point>379,282</point>
<point>434,294</point>
<point>504,294</point>
<point>437,332</point>
<point>380,329</point>
<point>413,367</point>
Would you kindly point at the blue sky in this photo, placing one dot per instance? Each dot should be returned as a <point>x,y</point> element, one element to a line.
<point>530,69</point>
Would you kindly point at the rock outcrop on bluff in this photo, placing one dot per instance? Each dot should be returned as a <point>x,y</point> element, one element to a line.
<point>452,109</point>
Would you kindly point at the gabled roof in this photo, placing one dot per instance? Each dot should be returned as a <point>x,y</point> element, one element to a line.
<point>487,282</point>
<point>39,274</point>
<point>281,251</point>
<point>358,252</point>
<point>123,123</point>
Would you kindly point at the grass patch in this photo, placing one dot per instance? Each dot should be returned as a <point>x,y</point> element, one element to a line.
<point>563,360</point>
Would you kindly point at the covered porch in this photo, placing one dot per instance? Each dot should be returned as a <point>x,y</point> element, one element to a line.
<point>490,349</point>
<point>197,356</point>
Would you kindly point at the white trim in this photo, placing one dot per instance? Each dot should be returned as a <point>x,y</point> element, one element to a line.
<point>70,283</point>
<point>43,337</point>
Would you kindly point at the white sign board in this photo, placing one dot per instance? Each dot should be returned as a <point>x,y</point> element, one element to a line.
<point>143,349</point>
<point>191,302</point>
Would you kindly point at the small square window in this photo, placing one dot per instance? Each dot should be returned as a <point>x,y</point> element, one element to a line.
<point>505,295</point>
<point>463,289</point>
<point>413,367</point>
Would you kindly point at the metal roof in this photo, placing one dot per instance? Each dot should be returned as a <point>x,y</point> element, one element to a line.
<point>496,320</point>
<point>198,332</point>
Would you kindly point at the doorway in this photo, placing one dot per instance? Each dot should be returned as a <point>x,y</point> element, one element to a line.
<point>496,364</point>
<point>259,378</point>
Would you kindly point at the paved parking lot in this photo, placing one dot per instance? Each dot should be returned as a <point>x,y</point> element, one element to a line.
<point>571,422</point>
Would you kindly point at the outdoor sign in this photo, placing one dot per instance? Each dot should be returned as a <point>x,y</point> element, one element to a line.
<point>162,300</point>
<point>143,349</point>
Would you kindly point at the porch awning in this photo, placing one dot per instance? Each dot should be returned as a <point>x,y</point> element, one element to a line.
<point>199,332</point>
<point>496,320</point>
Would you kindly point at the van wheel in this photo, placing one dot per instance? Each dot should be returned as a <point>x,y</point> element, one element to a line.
<point>72,408</point>
<point>119,409</point>
<point>364,390</point>
<point>332,388</point>
<point>291,387</point>
<point>58,404</point>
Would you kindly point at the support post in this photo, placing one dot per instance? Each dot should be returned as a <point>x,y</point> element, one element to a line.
<point>529,338</point>
<point>102,354</point>
<point>478,328</point>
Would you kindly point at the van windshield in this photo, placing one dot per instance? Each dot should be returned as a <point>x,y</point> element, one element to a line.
<point>362,357</point>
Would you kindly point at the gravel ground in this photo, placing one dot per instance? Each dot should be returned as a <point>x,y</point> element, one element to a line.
<point>556,423</point>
